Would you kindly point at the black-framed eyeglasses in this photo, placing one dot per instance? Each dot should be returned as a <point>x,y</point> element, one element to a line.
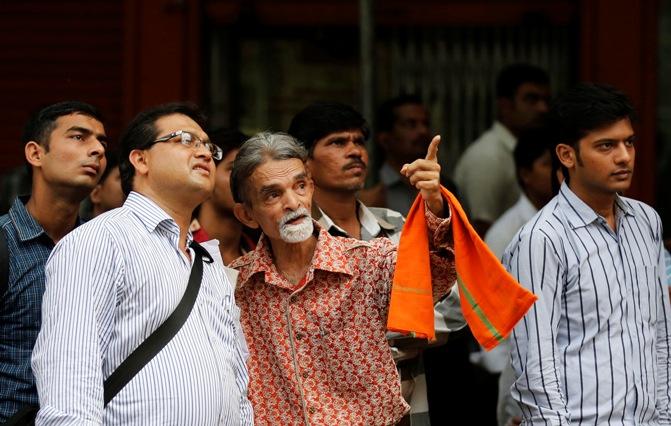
<point>194,142</point>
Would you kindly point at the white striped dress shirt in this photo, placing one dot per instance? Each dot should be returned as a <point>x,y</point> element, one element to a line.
<point>109,285</point>
<point>594,349</point>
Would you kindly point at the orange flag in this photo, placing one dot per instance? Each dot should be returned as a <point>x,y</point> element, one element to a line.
<point>491,299</point>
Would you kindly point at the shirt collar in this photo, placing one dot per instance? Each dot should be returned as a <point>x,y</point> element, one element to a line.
<point>504,135</point>
<point>27,228</point>
<point>151,214</point>
<point>371,223</point>
<point>579,214</point>
<point>329,256</point>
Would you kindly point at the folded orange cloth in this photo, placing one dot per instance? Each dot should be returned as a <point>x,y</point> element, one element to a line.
<point>491,299</point>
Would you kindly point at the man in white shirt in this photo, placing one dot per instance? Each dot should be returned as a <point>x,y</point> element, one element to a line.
<point>114,281</point>
<point>485,173</point>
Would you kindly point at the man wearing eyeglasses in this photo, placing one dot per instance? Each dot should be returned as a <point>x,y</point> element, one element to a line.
<point>114,281</point>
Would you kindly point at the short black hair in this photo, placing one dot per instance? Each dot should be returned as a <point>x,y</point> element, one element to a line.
<point>320,119</point>
<point>385,116</point>
<point>227,139</point>
<point>42,123</point>
<point>585,108</point>
<point>141,133</point>
<point>513,76</point>
<point>531,145</point>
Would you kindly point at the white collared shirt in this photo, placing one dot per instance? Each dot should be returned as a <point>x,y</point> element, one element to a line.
<point>501,233</point>
<point>485,174</point>
<point>109,285</point>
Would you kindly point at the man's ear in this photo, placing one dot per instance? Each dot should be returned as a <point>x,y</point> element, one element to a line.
<point>566,155</point>
<point>34,152</point>
<point>241,212</point>
<point>138,158</point>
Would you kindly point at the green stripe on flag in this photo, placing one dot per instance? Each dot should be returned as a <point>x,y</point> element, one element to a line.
<point>477,310</point>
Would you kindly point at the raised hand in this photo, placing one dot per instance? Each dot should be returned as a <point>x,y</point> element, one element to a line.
<point>424,174</point>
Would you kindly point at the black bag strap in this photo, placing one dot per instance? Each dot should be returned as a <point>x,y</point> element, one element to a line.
<point>4,262</point>
<point>148,349</point>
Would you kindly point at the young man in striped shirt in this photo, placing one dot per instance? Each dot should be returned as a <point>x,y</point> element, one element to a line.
<point>595,347</point>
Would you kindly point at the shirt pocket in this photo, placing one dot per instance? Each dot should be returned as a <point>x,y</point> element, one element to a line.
<point>648,295</point>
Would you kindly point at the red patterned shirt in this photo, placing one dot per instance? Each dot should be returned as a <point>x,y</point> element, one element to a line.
<point>318,354</point>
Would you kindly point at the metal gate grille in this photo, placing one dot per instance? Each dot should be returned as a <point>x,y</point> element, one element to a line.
<point>454,71</point>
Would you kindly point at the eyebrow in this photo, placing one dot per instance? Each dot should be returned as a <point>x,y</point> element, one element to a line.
<point>273,187</point>
<point>101,136</point>
<point>628,138</point>
<point>300,176</point>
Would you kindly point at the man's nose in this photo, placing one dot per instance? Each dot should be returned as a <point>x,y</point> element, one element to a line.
<point>203,151</point>
<point>355,150</point>
<point>623,153</point>
<point>97,148</point>
<point>423,128</point>
<point>291,201</point>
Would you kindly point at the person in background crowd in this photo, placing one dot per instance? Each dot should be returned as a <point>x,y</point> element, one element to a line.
<point>334,135</point>
<point>313,306</point>
<point>403,133</point>
<point>595,347</point>
<point>533,168</point>
<point>485,173</point>
<point>64,145</point>
<point>107,194</point>
<point>214,218</point>
<point>114,280</point>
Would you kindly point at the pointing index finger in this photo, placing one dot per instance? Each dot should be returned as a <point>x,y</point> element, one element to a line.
<point>432,152</point>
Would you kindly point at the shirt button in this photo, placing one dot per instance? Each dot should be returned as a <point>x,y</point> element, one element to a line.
<point>305,374</point>
<point>312,410</point>
<point>299,336</point>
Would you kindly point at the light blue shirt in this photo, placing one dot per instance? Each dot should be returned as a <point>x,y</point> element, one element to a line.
<point>594,349</point>
<point>109,285</point>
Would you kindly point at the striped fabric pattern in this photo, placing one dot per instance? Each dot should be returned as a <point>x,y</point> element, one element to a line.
<point>109,285</point>
<point>595,348</point>
<point>667,260</point>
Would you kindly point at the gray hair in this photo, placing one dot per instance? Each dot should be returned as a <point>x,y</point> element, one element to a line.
<point>256,151</point>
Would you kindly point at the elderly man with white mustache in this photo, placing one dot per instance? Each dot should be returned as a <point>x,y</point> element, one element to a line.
<point>313,306</point>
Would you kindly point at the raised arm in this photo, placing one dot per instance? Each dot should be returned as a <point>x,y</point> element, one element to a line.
<point>424,174</point>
